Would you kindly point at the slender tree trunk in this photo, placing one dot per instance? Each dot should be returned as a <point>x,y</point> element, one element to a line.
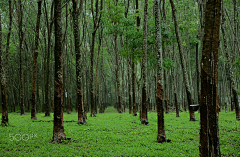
<point>75,13</point>
<point>4,66</point>
<point>123,96</point>
<point>47,85</point>
<point>119,107</point>
<point>35,55</point>
<point>91,75</point>
<point>133,88</point>
<point>133,66</point>
<point>187,87</point>
<point>20,35</point>
<point>3,80</point>
<point>96,21</point>
<point>96,73</point>
<point>129,86</point>
<point>144,66</point>
<point>209,138</point>
<point>232,79</point>
<point>58,129</point>
<point>161,136</point>
<point>175,88</point>
<point>197,70</point>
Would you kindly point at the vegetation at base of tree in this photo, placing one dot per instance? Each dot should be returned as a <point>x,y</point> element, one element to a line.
<point>108,135</point>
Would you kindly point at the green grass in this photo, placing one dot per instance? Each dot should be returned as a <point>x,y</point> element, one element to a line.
<point>114,134</point>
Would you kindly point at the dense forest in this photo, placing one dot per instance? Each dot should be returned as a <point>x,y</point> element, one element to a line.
<point>139,56</point>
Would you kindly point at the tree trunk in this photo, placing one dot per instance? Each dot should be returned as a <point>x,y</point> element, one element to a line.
<point>96,21</point>
<point>4,66</point>
<point>35,55</point>
<point>3,80</point>
<point>197,69</point>
<point>209,138</point>
<point>175,88</point>
<point>129,86</point>
<point>144,119</point>
<point>47,85</point>
<point>75,13</point>
<point>91,75</point>
<point>161,136</point>
<point>20,35</point>
<point>119,107</point>
<point>187,87</point>
<point>232,79</point>
<point>58,129</point>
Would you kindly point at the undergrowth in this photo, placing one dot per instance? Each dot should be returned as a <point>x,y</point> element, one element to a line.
<point>113,134</point>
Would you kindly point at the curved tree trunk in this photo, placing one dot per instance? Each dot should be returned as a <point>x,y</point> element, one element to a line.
<point>232,79</point>
<point>35,55</point>
<point>187,87</point>
<point>58,129</point>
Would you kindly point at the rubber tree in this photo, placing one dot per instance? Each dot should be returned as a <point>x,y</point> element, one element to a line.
<point>20,36</point>
<point>35,55</point>
<point>144,119</point>
<point>75,15</point>
<point>58,128</point>
<point>49,26</point>
<point>3,81</point>
<point>232,79</point>
<point>161,136</point>
<point>96,15</point>
<point>4,66</point>
<point>182,59</point>
<point>133,66</point>
<point>209,134</point>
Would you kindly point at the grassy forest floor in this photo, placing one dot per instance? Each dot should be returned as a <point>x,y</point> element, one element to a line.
<point>113,134</point>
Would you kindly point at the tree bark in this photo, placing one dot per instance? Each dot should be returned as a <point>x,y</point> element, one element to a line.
<point>129,86</point>
<point>47,85</point>
<point>4,66</point>
<point>96,22</point>
<point>232,79</point>
<point>187,87</point>
<point>133,88</point>
<point>209,138</point>
<point>119,107</point>
<point>161,136</point>
<point>35,55</point>
<point>20,35</point>
<point>175,88</point>
<point>75,14</point>
<point>58,129</point>
<point>144,119</point>
<point>3,80</point>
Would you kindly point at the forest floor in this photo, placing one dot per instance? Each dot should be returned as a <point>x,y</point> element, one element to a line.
<point>113,134</point>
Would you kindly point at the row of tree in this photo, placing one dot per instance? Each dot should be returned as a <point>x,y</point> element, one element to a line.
<point>130,63</point>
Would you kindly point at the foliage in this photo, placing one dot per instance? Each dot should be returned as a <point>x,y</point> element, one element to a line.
<point>113,134</point>
<point>237,65</point>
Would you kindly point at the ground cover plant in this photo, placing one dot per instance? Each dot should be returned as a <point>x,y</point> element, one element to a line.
<point>113,134</point>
